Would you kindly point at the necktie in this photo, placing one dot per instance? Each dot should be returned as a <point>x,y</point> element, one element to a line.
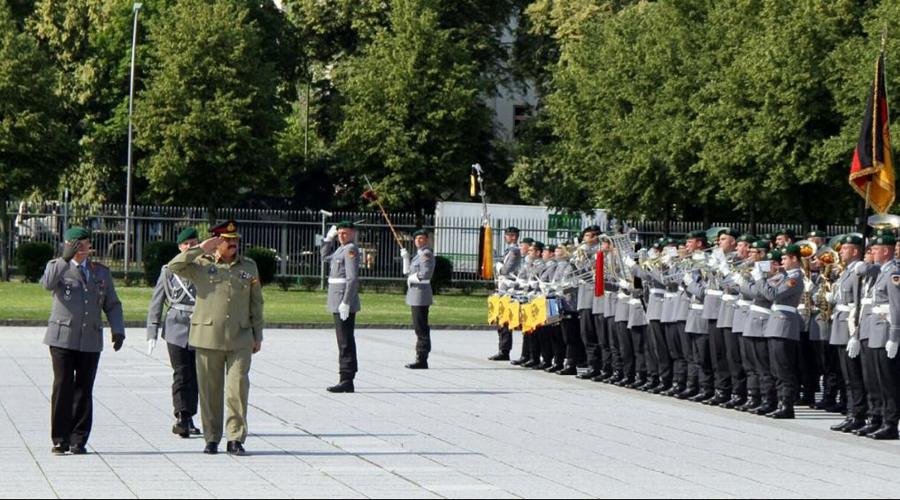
<point>84,273</point>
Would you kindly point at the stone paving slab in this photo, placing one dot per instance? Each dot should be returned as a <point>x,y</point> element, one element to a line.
<point>467,428</point>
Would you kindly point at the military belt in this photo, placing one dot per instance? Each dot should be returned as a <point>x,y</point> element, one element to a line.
<point>729,298</point>
<point>882,309</point>
<point>744,303</point>
<point>715,293</point>
<point>337,281</point>
<point>182,307</point>
<point>779,307</point>
<point>658,291</point>
<point>634,302</point>
<point>623,295</point>
<point>697,307</point>
<point>842,308</point>
<point>868,301</point>
<point>670,295</point>
<point>760,309</point>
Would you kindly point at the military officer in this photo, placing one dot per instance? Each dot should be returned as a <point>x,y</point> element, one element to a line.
<point>507,270</point>
<point>226,330</point>
<point>419,297</point>
<point>181,296</point>
<point>884,337</point>
<point>83,291</point>
<point>343,298</point>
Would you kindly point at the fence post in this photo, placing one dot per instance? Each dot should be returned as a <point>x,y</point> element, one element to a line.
<point>284,249</point>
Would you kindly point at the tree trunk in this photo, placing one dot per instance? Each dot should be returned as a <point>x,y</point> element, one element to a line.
<point>4,241</point>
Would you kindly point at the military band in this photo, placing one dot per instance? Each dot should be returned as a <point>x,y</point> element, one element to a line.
<point>757,325</point>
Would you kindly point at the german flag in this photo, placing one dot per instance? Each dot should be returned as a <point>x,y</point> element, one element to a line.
<point>872,171</point>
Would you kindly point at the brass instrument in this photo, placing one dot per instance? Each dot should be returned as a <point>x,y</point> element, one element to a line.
<point>830,261</point>
<point>808,250</point>
<point>884,222</point>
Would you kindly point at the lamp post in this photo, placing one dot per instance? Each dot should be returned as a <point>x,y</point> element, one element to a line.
<point>137,9</point>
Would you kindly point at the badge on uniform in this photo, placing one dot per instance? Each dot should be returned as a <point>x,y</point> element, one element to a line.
<point>246,276</point>
<point>791,283</point>
<point>213,270</point>
<point>68,295</point>
<point>895,279</point>
<point>352,254</point>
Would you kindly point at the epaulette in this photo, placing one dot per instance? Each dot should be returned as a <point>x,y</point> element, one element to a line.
<point>248,259</point>
<point>95,265</point>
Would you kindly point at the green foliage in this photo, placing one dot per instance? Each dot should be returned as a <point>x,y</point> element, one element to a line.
<point>443,274</point>
<point>266,261</point>
<point>31,260</point>
<point>156,255</point>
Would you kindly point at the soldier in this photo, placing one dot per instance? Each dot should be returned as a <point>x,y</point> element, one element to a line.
<point>844,335</point>
<point>783,330</point>
<point>419,272</point>
<point>712,311</point>
<point>656,352</point>
<point>523,284</point>
<point>785,237</point>
<point>610,305</point>
<point>75,338</point>
<point>698,324</point>
<point>884,337</point>
<point>226,331</point>
<point>543,348</point>
<point>574,348</point>
<point>682,312</point>
<point>180,295</point>
<point>725,322</point>
<point>669,321</point>
<point>507,270</point>
<point>869,273</point>
<point>645,364</point>
<point>755,327</point>
<point>343,298</point>
<point>590,247</point>
<point>741,326</point>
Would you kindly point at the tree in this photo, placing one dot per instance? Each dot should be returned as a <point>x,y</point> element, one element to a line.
<point>34,143</point>
<point>414,118</point>
<point>209,115</point>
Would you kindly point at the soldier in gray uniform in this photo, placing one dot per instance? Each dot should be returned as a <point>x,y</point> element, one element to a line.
<point>523,286</point>
<point>698,324</point>
<point>419,297</point>
<point>869,273</point>
<point>507,271</point>
<point>542,350</point>
<point>343,298</point>
<point>568,297</point>
<point>844,334</point>
<point>589,336</point>
<point>783,330</point>
<point>180,295</point>
<point>656,352</point>
<point>669,321</point>
<point>610,305</point>
<point>740,325</point>
<point>755,325</point>
<point>713,311</point>
<point>682,312</point>
<point>726,322</point>
<point>82,292</point>
<point>884,339</point>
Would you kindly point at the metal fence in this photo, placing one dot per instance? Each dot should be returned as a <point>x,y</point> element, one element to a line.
<point>295,236</point>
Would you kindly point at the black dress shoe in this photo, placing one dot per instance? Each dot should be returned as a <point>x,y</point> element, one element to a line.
<point>638,383</point>
<point>649,386</point>
<point>786,412</point>
<point>345,387</point>
<point>194,430</point>
<point>555,369</point>
<point>615,378</point>
<point>766,408</point>
<point>688,394</point>
<point>673,391</point>
<point>719,398</point>
<point>211,449</point>
<point>568,371</point>
<point>827,404</point>
<point>499,357</point>
<point>236,448</point>
<point>182,427</point>
<point>660,389</point>
<point>588,375</point>
<point>531,364</point>
<point>734,402</point>
<point>850,425</point>
<point>418,365</point>
<point>886,433</point>
<point>79,449</point>
<point>625,382</point>
<point>60,449</point>
<point>873,425</point>
<point>519,362</point>
<point>751,403</point>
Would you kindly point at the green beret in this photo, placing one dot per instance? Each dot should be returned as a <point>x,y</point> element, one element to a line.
<point>659,245</point>
<point>512,230</point>
<point>696,235</point>
<point>734,233</point>
<point>817,234</point>
<point>762,245</point>
<point>884,232</point>
<point>420,232</point>
<point>188,233</point>
<point>852,239</point>
<point>670,242</point>
<point>528,241</point>
<point>77,233</point>
<point>346,224</point>
<point>539,245</point>
<point>774,255</point>
<point>886,240</point>
<point>682,242</point>
<point>748,238</point>
<point>552,248</point>
<point>769,236</point>
<point>786,232</point>
<point>794,250</point>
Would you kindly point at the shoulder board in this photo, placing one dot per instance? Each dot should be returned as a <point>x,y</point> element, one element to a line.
<point>248,259</point>
<point>97,265</point>
<point>54,261</point>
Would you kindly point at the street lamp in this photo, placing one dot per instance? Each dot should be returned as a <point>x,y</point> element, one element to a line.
<point>137,9</point>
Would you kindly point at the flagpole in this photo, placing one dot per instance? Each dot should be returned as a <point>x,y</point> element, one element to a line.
<point>884,34</point>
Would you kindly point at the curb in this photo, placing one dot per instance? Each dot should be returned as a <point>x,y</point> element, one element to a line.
<point>278,326</point>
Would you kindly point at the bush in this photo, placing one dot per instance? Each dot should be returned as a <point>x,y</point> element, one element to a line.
<point>32,258</point>
<point>266,261</point>
<point>156,255</point>
<point>443,274</point>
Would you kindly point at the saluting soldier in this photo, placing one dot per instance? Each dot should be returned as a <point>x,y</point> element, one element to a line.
<point>180,295</point>
<point>507,270</point>
<point>869,273</point>
<point>226,331</point>
<point>83,291</point>
<point>343,298</point>
<point>419,295</point>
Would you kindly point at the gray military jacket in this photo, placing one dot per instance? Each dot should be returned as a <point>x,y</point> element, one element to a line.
<point>760,311</point>
<point>568,298</point>
<point>76,322</point>
<point>512,260</point>
<point>343,281</point>
<point>623,309</point>
<point>683,305</point>
<point>657,291</point>
<point>637,315</point>
<point>877,323</point>
<point>181,297</point>
<point>670,304</point>
<point>422,265</point>
<point>611,292</point>
<point>869,274</point>
<point>742,306</point>
<point>731,292</point>
<point>845,295</point>
<point>786,293</point>
<point>697,323</point>
<point>586,291</point>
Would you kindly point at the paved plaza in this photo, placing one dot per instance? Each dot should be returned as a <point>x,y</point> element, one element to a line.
<point>467,428</point>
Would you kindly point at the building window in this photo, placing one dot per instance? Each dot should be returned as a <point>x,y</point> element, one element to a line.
<point>521,113</point>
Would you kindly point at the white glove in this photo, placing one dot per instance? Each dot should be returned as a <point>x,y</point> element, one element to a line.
<point>331,233</point>
<point>688,279</point>
<point>853,348</point>
<point>404,254</point>
<point>151,346</point>
<point>829,297</point>
<point>498,267</point>
<point>413,279</point>
<point>522,282</point>
<point>739,279</point>
<point>807,286</point>
<point>724,270</point>
<point>892,348</point>
<point>624,284</point>
<point>629,262</point>
<point>344,311</point>
<point>756,274</point>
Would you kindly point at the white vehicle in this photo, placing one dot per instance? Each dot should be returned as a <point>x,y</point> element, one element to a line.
<point>458,227</point>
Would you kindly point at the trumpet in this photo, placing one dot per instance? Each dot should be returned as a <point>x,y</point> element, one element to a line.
<point>808,250</point>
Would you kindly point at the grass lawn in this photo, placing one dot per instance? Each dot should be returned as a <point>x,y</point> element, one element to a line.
<point>25,301</point>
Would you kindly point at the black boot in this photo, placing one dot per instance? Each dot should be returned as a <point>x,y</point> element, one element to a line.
<point>851,424</point>
<point>615,378</point>
<point>520,362</point>
<point>768,406</point>
<point>688,394</point>
<point>703,396</point>
<point>874,424</point>
<point>569,370</point>
<point>194,430</point>
<point>345,387</point>
<point>555,368</point>
<point>183,426</point>
<point>499,357</point>
<point>674,391</point>
<point>638,383</point>
<point>735,402</point>
<point>828,403</point>
<point>420,364</point>
<point>591,373</point>
<point>888,432</point>
<point>784,412</point>
<point>751,404</point>
<point>719,398</point>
